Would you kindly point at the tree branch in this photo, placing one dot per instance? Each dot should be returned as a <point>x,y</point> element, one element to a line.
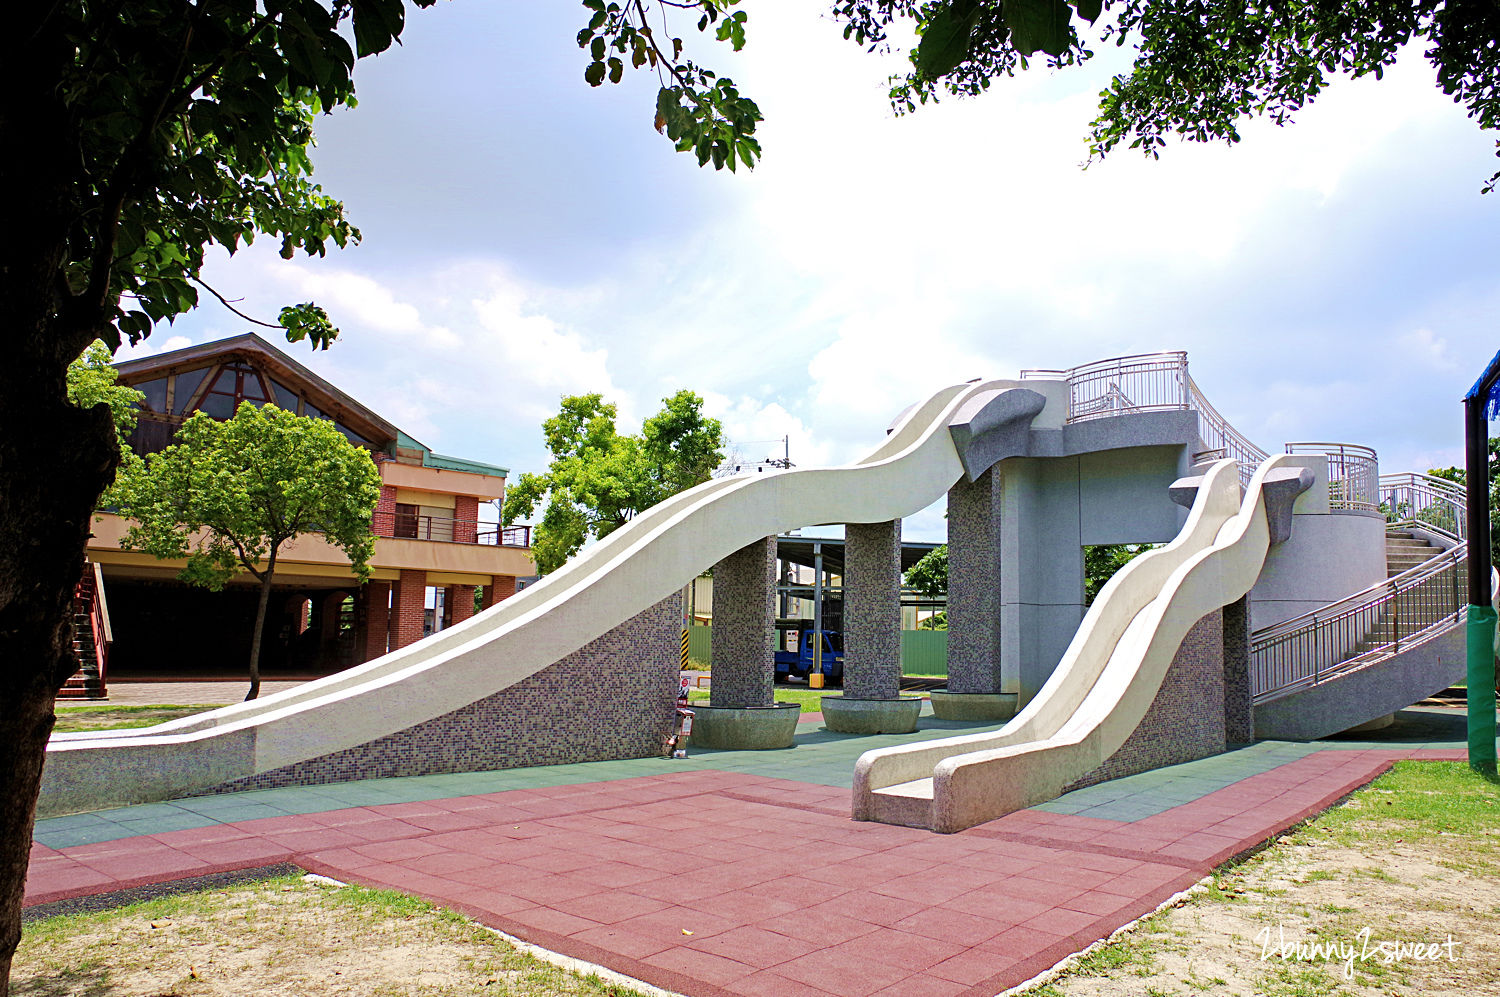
<point>226,303</point>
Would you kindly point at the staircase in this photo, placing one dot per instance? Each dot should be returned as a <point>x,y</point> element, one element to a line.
<point>91,638</point>
<point>1404,550</point>
<point>1382,649</point>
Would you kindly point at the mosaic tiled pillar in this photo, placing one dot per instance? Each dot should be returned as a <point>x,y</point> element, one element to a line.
<point>1239,713</point>
<point>744,637</point>
<point>872,610</point>
<point>974,585</point>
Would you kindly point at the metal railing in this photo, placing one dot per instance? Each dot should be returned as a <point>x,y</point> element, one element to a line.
<point>1383,620</point>
<point>1353,474</point>
<point>410,526</point>
<point>1151,382</point>
<point>1421,499</point>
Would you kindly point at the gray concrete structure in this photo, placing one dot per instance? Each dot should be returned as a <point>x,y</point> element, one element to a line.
<point>872,610</point>
<point>744,637</point>
<point>1354,697</point>
<point>1097,482</point>
<point>1331,553</point>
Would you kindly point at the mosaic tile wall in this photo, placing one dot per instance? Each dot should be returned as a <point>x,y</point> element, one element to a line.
<point>872,610</point>
<point>1239,714</point>
<point>613,698</point>
<point>974,585</point>
<point>1185,720</point>
<point>744,637</point>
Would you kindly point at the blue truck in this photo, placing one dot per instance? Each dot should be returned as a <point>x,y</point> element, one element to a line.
<point>799,663</point>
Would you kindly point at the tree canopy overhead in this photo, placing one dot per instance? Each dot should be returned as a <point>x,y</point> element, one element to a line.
<point>1201,67</point>
<point>599,478</point>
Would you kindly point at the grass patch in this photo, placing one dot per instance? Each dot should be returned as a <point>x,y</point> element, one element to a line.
<point>811,700</point>
<point>284,935</point>
<point>71,719</point>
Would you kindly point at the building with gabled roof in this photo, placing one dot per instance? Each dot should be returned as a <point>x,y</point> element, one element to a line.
<point>439,552</point>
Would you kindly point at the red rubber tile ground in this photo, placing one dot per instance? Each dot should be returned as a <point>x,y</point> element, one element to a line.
<point>711,883</point>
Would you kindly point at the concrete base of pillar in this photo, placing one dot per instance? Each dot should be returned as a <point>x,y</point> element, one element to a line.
<point>745,728</point>
<point>871,716</point>
<point>973,706</point>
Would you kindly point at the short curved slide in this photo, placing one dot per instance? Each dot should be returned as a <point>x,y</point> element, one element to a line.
<point>638,567</point>
<point>1106,681</point>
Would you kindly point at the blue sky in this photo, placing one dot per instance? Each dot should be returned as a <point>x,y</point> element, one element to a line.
<point>528,237</point>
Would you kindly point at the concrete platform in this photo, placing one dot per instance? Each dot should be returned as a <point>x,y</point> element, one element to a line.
<point>752,852</point>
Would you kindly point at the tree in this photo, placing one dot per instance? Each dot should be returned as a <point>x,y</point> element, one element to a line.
<point>1459,476</point>
<point>229,494</point>
<point>929,576</point>
<point>599,479</point>
<point>1201,68</point>
<point>138,134</point>
<point>92,381</point>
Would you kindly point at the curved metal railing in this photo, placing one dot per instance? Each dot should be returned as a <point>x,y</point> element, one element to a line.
<point>1353,474</point>
<point>1152,382</point>
<point>1383,620</point>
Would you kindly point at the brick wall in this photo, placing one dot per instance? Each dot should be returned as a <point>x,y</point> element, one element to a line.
<point>460,603</point>
<point>613,698</point>
<point>375,604</point>
<point>384,524</point>
<point>407,608</point>
<point>465,516</point>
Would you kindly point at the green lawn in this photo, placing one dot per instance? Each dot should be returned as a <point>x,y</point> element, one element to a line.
<point>71,719</point>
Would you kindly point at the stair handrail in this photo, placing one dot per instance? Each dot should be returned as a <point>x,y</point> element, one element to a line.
<point>1420,603</point>
<point>104,636</point>
<point>1152,382</point>
<point>1424,500</point>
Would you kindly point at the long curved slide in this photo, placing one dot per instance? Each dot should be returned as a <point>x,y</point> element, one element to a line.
<point>627,573</point>
<point>1104,685</point>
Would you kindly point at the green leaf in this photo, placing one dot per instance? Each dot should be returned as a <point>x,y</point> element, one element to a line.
<point>594,74</point>
<point>1038,24</point>
<point>945,39</point>
<point>1089,10</point>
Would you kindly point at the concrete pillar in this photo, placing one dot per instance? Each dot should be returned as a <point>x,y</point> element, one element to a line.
<point>407,608</point>
<point>1239,712</point>
<point>872,610</point>
<point>974,586</point>
<point>744,637</point>
<point>460,603</point>
<point>376,598</point>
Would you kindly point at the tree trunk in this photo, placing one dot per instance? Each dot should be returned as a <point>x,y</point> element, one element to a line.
<point>55,459</point>
<point>260,624</point>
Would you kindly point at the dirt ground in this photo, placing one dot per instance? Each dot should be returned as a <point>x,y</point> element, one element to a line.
<point>1387,916</point>
<point>288,937</point>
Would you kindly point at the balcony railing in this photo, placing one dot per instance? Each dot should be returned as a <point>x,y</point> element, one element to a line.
<point>1151,382</point>
<point>407,526</point>
<point>1354,481</point>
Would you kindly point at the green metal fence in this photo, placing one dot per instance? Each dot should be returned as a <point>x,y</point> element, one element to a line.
<point>923,652</point>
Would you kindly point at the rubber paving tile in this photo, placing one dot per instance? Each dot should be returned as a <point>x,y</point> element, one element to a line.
<point>712,881</point>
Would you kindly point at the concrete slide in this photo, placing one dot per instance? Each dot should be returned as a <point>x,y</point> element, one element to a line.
<point>623,575</point>
<point>1105,682</point>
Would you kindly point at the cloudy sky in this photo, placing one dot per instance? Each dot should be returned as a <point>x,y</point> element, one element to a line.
<point>528,237</point>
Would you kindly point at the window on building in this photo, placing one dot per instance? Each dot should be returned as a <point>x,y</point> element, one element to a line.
<point>188,383</point>
<point>156,393</point>
<point>406,521</point>
<point>286,398</point>
<point>236,383</point>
